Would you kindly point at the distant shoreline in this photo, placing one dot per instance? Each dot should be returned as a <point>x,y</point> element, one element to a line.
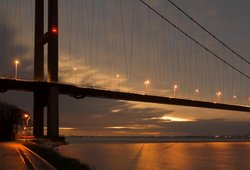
<point>153,139</point>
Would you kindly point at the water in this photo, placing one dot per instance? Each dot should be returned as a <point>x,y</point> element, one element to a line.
<point>161,156</point>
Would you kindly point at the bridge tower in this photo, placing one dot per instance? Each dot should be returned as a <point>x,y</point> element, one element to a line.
<point>46,96</point>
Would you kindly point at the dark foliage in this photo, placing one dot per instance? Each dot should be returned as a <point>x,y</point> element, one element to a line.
<point>9,117</point>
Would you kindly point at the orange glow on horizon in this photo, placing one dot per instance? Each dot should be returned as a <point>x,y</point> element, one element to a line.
<point>134,127</point>
<point>116,110</point>
<point>172,119</point>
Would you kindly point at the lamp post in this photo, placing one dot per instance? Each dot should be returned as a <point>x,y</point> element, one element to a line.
<point>175,88</point>
<point>197,91</point>
<point>118,79</point>
<point>16,63</point>
<point>218,95</point>
<point>27,117</point>
<point>75,71</point>
<point>235,98</point>
<point>146,83</point>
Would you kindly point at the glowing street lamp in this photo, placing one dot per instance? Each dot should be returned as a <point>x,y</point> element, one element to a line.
<point>75,70</point>
<point>118,78</point>
<point>197,91</point>
<point>218,95</point>
<point>175,88</point>
<point>146,83</point>
<point>16,63</point>
<point>27,117</point>
<point>234,97</point>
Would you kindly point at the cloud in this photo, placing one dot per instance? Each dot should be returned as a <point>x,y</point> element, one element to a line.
<point>110,117</point>
<point>134,127</point>
<point>110,52</point>
<point>167,118</point>
<point>208,127</point>
<point>15,41</point>
<point>100,113</point>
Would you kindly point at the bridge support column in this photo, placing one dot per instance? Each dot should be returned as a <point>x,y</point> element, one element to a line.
<point>38,97</point>
<point>51,99</point>
<point>53,113</point>
<point>53,107</point>
<point>38,118</point>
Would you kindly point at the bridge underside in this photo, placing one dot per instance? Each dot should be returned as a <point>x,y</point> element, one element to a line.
<point>81,92</point>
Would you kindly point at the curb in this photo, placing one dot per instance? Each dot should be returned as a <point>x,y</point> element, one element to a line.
<point>34,161</point>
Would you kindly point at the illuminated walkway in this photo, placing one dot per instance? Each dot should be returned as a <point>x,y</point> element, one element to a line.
<point>15,156</point>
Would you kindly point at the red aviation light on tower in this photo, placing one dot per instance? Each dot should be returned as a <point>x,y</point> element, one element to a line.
<point>54,30</point>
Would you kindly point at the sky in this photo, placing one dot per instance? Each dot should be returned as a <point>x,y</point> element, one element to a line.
<point>128,33</point>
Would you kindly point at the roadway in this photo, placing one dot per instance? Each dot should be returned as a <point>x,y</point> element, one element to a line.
<point>81,92</point>
<point>14,155</point>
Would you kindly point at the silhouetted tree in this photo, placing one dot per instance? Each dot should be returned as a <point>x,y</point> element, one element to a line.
<point>10,116</point>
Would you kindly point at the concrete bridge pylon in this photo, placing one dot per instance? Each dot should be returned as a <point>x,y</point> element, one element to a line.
<point>46,97</point>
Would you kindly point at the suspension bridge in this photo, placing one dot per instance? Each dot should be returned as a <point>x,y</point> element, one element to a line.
<point>126,50</point>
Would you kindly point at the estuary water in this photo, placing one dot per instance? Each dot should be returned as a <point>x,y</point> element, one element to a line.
<point>160,156</point>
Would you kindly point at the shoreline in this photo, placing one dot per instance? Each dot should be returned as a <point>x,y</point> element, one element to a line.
<point>150,139</point>
<point>53,157</point>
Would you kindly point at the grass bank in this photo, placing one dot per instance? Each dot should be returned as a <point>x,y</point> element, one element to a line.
<point>56,159</point>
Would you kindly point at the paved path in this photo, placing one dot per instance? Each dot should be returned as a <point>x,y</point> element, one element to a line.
<point>14,156</point>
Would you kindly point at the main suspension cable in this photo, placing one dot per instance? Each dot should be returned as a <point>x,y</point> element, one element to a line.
<point>194,40</point>
<point>203,28</point>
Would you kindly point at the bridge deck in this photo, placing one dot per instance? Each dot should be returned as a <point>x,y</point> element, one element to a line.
<point>81,92</point>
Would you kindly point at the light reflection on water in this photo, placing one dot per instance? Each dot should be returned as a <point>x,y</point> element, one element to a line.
<point>161,156</point>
